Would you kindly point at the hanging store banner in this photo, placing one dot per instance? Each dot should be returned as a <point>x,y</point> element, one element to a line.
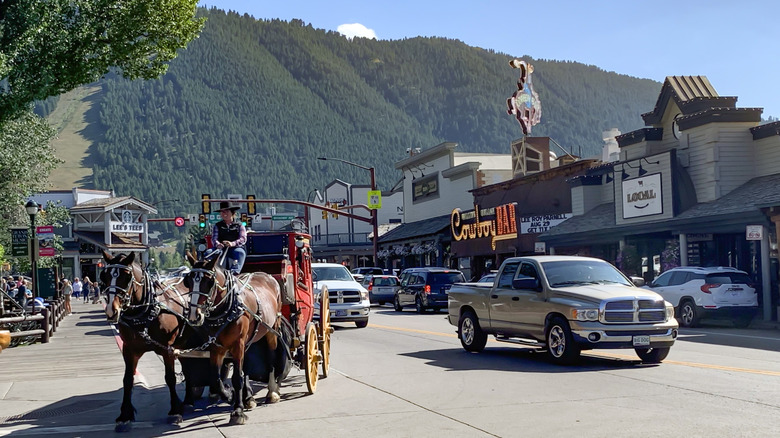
<point>45,241</point>
<point>20,242</point>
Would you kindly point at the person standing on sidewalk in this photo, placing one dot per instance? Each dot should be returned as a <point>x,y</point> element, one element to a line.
<point>67,291</point>
<point>77,287</point>
<point>86,289</point>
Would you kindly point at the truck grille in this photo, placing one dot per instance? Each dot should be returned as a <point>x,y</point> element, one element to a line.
<point>633,311</point>
<point>344,296</point>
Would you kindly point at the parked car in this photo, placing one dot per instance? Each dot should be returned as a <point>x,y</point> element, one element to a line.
<point>381,288</point>
<point>425,288</point>
<point>348,298</point>
<point>487,278</point>
<point>718,292</point>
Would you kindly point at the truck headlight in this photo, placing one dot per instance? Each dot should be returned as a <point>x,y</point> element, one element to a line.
<point>585,314</point>
<point>363,295</point>
<point>669,311</point>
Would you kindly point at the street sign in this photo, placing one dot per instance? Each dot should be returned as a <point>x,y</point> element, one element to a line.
<point>754,232</point>
<point>179,221</point>
<point>374,199</point>
<point>282,217</point>
<point>193,218</point>
<point>214,218</point>
<point>20,242</point>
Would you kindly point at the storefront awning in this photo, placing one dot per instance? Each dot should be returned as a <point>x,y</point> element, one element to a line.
<point>117,244</point>
<point>729,214</point>
<point>415,230</point>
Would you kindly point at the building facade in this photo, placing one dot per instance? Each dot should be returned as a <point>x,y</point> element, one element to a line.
<point>700,185</point>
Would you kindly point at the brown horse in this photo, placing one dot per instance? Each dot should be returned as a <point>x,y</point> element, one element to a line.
<point>149,316</point>
<point>237,312</point>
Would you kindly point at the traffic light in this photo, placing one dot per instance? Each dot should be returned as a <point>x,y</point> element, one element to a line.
<point>244,219</point>
<point>202,220</point>
<point>334,206</point>
<point>205,205</point>
<point>249,221</point>
<point>250,206</point>
<point>324,214</point>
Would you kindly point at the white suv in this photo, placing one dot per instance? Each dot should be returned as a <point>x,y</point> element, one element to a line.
<point>708,292</point>
<point>348,298</point>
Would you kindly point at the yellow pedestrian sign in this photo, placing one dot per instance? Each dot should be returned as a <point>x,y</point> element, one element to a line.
<point>374,199</point>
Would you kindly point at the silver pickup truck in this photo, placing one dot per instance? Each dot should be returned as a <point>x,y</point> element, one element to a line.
<point>564,304</point>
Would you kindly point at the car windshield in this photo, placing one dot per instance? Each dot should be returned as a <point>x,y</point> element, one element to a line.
<point>332,273</point>
<point>580,272</point>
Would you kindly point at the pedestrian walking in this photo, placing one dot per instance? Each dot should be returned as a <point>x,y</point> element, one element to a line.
<point>67,291</point>
<point>78,286</point>
<point>86,289</point>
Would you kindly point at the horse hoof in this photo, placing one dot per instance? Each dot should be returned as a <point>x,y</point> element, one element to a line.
<point>123,426</point>
<point>175,419</point>
<point>250,403</point>
<point>238,418</point>
<point>273,397</point>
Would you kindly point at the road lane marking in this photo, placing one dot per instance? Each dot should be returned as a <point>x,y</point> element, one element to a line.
<point>603,355</point>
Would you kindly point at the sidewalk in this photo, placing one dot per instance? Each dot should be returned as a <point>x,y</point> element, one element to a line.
<point>73,385</point>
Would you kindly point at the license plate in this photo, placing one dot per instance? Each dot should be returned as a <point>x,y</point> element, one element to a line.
<point>344,313</point>
<point>641,340</point>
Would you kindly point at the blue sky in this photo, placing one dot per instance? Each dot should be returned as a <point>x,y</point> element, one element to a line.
<point>733,43</point>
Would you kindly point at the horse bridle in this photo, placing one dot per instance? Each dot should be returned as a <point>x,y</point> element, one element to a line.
<point>197,275</point>
<point>125,296</point>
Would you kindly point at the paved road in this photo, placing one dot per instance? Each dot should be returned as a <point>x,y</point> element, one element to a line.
<point>406,375</point>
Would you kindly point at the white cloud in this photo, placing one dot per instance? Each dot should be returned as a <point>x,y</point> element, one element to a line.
<point>355,30</point>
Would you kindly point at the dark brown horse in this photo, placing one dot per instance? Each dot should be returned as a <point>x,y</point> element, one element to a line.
<point>237,311</point>
<point>149,317</point>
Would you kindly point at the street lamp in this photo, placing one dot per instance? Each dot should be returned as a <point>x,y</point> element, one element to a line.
<point>32,210</point>
<point>373,188</point>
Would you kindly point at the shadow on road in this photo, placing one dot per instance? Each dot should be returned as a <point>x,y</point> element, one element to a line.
<point>521,359</point>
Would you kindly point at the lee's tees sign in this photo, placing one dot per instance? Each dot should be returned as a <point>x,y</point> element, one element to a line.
<point>642,196</point>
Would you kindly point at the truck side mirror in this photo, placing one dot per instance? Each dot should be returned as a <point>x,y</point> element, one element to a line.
<point>639,281</point>
<point>526,283</point>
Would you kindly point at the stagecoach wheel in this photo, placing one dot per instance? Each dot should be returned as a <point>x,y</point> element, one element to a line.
<point>324,331</point>
<point>311,359</point>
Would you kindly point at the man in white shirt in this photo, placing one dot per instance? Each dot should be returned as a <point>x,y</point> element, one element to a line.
<point>77,287</point>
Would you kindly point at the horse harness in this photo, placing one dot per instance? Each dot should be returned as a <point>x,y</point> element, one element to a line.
<point>231,303</point>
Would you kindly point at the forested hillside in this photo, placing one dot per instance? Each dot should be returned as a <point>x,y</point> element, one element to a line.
<point>249,105</point>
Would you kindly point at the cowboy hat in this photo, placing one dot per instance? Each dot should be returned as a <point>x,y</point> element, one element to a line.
<point>224,205</point>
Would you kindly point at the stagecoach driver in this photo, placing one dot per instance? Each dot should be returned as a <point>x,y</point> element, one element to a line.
<point>231,235</point>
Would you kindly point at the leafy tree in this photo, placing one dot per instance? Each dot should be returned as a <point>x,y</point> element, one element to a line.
<point>50,47</point>
<point>26,158</point>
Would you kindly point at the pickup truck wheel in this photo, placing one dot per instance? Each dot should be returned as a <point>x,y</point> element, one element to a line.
<point>472,338</point>
<point>689,316</point>
<point>652,355</point>
<point>397,305</point>
<point>418,305</point>
<point>560,343</point>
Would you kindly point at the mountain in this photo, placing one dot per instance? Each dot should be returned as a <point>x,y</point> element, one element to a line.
<point>249,106</point>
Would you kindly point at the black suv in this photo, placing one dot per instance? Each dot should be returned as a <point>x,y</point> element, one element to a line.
<point>426,288</point>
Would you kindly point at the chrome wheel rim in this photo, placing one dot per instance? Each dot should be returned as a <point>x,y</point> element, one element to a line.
<point>686,314</point>
<point>556,341</point>
<point>467,331</point>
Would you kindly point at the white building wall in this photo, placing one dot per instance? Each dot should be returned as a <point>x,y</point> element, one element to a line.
<point>737,156</point>
<point>767,156</point>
